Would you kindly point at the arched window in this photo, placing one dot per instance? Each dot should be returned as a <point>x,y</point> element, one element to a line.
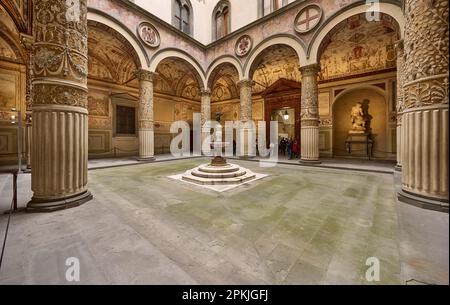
<point>182,15</point>
<point>221,20</point>
<point>268,6</point>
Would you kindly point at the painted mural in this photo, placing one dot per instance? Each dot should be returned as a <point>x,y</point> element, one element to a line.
<point>8,85</point>
<point>357,46</point>
<point>276,62</point>
<point>98,104</point>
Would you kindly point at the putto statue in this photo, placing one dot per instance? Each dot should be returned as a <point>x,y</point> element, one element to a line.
<point>359,118</point>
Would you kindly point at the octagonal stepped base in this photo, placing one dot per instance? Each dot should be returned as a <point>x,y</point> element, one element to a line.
<point>229,174</point>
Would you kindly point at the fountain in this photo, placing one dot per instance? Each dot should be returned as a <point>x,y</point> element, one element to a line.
<point>219,171</point>
<point>218,175</point>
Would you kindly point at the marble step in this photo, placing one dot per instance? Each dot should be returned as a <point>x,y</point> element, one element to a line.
<point>206,168</point>
<point>227,181</point>
<point>219,175</point>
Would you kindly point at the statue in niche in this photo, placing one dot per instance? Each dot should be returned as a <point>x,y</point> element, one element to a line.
<point>361,118</point>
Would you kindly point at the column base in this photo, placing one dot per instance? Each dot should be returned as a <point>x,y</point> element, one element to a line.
<point>246,157</point>
<point>148,160</point>
<point>423,202</point>
<point>41,206</point>
<point>398,168</point>
<point>310,162</point>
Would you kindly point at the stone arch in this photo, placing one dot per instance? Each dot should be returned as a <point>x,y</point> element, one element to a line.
<point>359,87</point>
<point>226,59</point>
<point>312,55</point>
<point>99,17</point>
<point>168,53</point>
<point>287,40</point>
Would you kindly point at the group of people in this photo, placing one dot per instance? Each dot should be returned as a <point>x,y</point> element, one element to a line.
<point>289,147</point>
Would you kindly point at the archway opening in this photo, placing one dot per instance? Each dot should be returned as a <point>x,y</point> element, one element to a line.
<point>358,53</point>
<point>113,93</point>
<point>177,96</point>
<point>277,90</point>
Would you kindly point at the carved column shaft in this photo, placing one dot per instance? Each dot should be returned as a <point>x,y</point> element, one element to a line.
<point>146,121</point>
<point>27,42</point>
<point>205,112</point>
<point>310,114</point>
<point>425,115</point>
<point>400,103</point>
<point>60,116</point>
<point>245,89</point>
<point>246,117</point>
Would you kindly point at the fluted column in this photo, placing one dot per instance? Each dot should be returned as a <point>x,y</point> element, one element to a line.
<point>60,117</point>
<point>205,112</point>
<point>246,117</point>
<point>146,123</point>
<point>425,116</point>
<point>310,115</point>
<point>400,101</point>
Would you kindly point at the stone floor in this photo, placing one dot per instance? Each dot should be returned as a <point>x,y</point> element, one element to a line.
<point>299,225</point>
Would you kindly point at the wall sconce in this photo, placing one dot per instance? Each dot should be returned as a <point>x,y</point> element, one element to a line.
<point>286,116</point>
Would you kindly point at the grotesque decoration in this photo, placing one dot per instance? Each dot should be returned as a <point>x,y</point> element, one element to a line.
<point>149,35</point>
<point>243,45</point>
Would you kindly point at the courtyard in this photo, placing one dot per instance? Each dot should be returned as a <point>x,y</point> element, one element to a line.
<point>298,225</point>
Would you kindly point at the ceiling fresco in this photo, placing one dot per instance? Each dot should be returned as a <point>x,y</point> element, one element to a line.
<point>111,57</point>
<point>274,63</point>
<point>357,46</point>
<point>176,77</point>
<point>9,38</point>
<point>223,81</point>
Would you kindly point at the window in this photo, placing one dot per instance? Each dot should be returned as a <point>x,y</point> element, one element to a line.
<point>182,15</point>
<point>268,6</point>
<point>221,20</point>
<point>125,120</point>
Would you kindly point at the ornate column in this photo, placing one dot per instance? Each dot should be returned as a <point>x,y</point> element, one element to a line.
<point>206,112</point>
<point>400,103</point>
<point>246,116</point>
<point>27,42</point>
<point>425,116</point>
<point>60,117</point>
<point>146,128</point>
<point>310,115</point>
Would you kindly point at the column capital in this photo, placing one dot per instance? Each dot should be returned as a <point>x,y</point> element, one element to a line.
<point>206,92</point>
<point>145,75</point>
<point>312,69</point>
<point>245,83</point>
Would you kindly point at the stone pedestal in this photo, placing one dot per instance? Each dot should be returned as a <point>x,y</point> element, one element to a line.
<point>425,114</point>
<point>246,117</point>
<point>146,122</point>
<point>359,144</point>
<point>310,115</point>
<point>60,118</point>
<point>206,113</point>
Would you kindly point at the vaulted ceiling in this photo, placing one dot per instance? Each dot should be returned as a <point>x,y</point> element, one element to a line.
<point>274,63</point>
<point>111,57</point>
<point>178,78</point>
<point>357,46</point>
<point>223,83</point>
